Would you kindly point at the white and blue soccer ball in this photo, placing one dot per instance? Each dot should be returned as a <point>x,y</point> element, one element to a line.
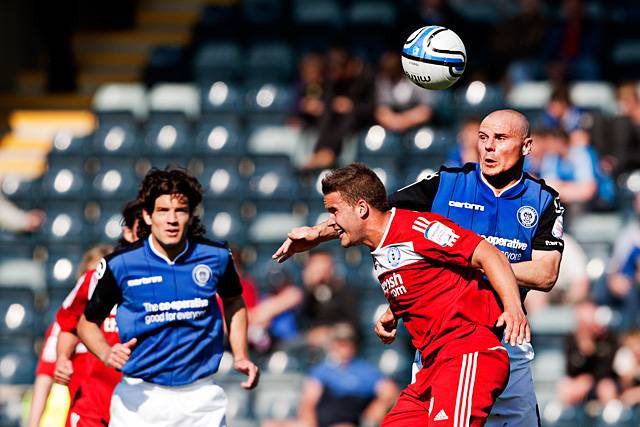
<point>434,57</point>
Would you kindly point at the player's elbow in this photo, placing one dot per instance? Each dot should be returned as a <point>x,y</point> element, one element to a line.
<point>548,281</point>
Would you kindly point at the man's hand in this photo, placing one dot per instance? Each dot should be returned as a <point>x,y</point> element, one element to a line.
<point>119,354</point>
<point>298,240</point>
<point>517,328</point>
<point>63,371</point>
<point>252,372</point>
<point>386,327</point>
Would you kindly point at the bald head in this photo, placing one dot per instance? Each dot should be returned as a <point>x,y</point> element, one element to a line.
<point>517,121</point>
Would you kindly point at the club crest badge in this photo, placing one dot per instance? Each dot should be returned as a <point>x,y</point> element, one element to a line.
<point>201,274</point>
<point>527,216</point>
<point>393,256</point>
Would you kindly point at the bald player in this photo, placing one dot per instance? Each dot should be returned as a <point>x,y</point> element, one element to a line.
<point>517,213</point>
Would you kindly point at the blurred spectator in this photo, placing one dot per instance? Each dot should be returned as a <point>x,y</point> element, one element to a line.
<point>571,170</point>
<point>628,102</point>
<point>589,353</point>
<point>273,320</point>
<point>621,134</point>
<point>623,288</point>
<point>573,45</point>
<point>466,149</point>
<point>309,92</point>
<point>520,55</point>
<point>627,239</point>
<point>326,301</point>
<point>14,219</point>
<point>533,161</point>
<point>400,105</point>
<point>560,112</point>
<point>627,366</point>
<point>349,106</point>
<point>343,390</point>
<point>572,285</point>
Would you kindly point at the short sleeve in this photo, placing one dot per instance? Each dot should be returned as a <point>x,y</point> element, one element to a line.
<point>47,360</point>
<point>73,306</point>
<point>106,295</point>
<point>229,285</point>
<point>548,235</point>
<point>443,240</point>
<point>418,196</point>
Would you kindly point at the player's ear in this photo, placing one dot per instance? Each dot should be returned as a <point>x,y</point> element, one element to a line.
<point>526,145</point>
<point>146,217</point>
<point>363,208</point>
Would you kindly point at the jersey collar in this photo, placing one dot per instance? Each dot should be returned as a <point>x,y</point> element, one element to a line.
<point>160,255</point>
<point>386,230</point>
<point>510,190</point>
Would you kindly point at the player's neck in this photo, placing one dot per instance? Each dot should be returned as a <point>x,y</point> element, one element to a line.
<point>502,181</point>
<point>376,228</point>
<point>168,252</point>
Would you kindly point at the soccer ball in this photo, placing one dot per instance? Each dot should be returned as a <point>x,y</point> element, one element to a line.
<point>433,57</point>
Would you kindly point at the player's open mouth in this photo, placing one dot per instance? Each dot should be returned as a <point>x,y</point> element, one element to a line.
<point>172,233</point>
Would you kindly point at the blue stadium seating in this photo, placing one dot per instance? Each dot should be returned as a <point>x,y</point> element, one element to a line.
<point>220,96</point>
<point>64,179</point>
<point>17,362</point>
<point>167,134</point>
<point>219,136</point>
<point>378,141</point>
<point>62,265</point>
<point>215,61</point>
<point>107,226</point>
<point>278,396</point>
<point>271,61</point>
<point>115,179</point>
<point>273,178</point>
<point>223,221</point>
<point>17,312</point>
<point>387,170</point>
<point>64,223</point>
<point>478,98</point>
<point>115,136</point>
<point>221,179</point>
<point>268,97</point>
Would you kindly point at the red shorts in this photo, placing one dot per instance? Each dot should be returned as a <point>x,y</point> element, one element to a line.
<point>456,390</point>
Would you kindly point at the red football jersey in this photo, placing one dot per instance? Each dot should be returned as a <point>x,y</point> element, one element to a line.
<point>423,265</point>
<point>97,381</point>
<point>47,360</point>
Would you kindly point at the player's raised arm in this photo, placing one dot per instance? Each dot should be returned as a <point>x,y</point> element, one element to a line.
<point>502,279</point>
<point>302,239</point>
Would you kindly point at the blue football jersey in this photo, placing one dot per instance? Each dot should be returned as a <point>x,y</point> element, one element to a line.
<point>169,306</point>
<point>524,217</point>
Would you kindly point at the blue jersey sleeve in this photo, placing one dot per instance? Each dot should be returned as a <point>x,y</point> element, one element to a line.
<point>630,265</point>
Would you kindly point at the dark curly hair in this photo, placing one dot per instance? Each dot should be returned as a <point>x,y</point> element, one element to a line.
<point>158,182</point>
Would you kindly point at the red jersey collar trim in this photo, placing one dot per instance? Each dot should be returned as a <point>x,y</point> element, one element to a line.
<point>386,230</point>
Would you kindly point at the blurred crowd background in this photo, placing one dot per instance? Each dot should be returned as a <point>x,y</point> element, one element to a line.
<point>257,99</point>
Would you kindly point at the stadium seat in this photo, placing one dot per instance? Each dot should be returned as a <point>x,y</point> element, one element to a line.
<point>65,144</point>
<point>311,188</point>
<point>553,320</point>
<point>218,22</point>
<point>598,96</point>
<point>428,141</point>
<point>555,415</point>
<point>387,170</point>
<point>64,223</point>
<point>615,413</point>
<point>529,96</point>
<point>216,61</point>
<point>377,141</point>
<point>64,179</point>
<point>273,61</point>
<point>265,140</point>
<point>272,178</point>
<point>116,136</point>
<point>24,272</point>
<point>22,191</point>
<point>17,362</point>
<point>107,224</point>
<point>278,396</point>
<point>265,19</point>
<point>596,227</point>
<point>115,179</point>
<point>478,98</point>
<point>166,64</point>
<point>221,97</point>
<point>175,97</point>
<point>393,361</point>
<point>167,134</point>
<point>119,97</point>
<point>370,25</point>
<point>549,365</point>
<point>221,179</point>
<point>317,13</point>
<point>62,265</point>
<point>223,221</point>
<point>625,56</point>
<point>272,227</point>
<point>268,98</point>
<point>17,312</point>
<point>219,136</point>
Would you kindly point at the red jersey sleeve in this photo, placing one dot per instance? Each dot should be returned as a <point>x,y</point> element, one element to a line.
<point>47,360</point>
<point>73,306</point>
<point>443,240</point>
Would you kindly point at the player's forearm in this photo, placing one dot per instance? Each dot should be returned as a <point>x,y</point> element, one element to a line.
<point>235,314</point>
<point>537,275</point>
<point>498,271</point>
<point>92,337</point>
<point>66,345</point>
<point>41,389</point>
<point>325,233</point>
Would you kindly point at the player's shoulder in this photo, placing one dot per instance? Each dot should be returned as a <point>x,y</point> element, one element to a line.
<point>465,169</point>
<point>538,184</point>
<point>127,249</point>
<point>209,244</point>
